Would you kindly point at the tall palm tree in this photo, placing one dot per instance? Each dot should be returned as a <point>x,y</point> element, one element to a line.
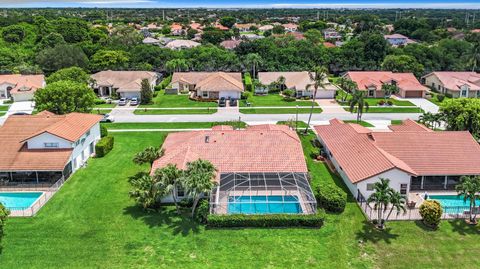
<point>358,101</point>
<point>388,90</point>
<point>475,56</point>
<point>253,59</point>
<point>198,180</point>
<point>144,191</point>
<point>176,65</point>
<point>319,78</point>
<point>148,155</point>
<point>281,82</point>
<point>469,188</point>
<point>169,178</point>
<point>349,86</point>
<point>397,202</point>
<point>380,198</point>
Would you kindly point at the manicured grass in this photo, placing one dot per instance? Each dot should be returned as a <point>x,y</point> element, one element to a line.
<point>300,124</point>
<point>105,106</point>
<point>100,111</point>
<point>391,110</point>
<point>435,100</point>
<point>172,100</point>
<point>396,122</point>
<point>374,101</point>
<point>4,107</point>
<point>175,111</point>
<point>273,100</point>
<point>170,125</point>
<point>279,110</point>
<point>2,113</point>
<point>362,123</point>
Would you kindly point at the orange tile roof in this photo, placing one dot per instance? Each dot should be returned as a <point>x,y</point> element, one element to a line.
<point>415,150</point>
<point>211,81</point>
<point>455,80</point>
<point>263,148</point>
<point>22,83</point>
<point>366,79</point>
<point>18,128</point>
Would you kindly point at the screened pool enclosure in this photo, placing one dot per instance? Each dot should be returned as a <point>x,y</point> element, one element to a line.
<point>263,193</point>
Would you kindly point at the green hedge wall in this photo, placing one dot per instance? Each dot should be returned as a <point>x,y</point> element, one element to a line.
<point>276,220</point>
<point>331,198</point>
<point>104,146</point>
<point>248,82</point>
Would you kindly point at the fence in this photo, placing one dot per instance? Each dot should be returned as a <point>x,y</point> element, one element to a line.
<point>39,203</point>
<point>449,212</point>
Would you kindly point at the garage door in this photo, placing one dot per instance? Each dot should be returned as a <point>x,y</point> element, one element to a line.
<point>230,94</point>
<point>325,94</point>
<point>414,94</point>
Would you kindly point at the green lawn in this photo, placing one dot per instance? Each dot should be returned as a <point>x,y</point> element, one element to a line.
<point>169,125</point>
<point>105,106</point>
<point>273,100</point>
<point>175,111</point>
<point>435,100</point>
<point>374,101</point>
<point>396,122</point>
<point>4,107</point>
<point>279,110</point>
<point>2,113</point>
<point>363,123</point>
<point>91,223</point>
<point>392,110</point>
<point>101,111</point>
<point>300,124</point>
<point>172,100</point>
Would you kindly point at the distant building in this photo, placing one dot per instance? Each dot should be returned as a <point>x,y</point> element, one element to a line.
<point>290,27</point>
<point>230,44</point>
<point>331,33</point>
<point>209,85</point>
<point>457,84</point>
<point>20,87</point>
<point>127,84</point>
<point>182,44</point>
<point>398,40</point>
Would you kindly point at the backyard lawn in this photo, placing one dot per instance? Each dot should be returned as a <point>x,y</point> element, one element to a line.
<point>172,100</point>
<point>92,223</point>
<point>273,100</point>
<point>391,109</point>
<point>362,123</point>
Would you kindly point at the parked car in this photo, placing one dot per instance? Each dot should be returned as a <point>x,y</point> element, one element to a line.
<point>222,102</point>
<point>107,118</point>
<point>122,101</point>
<point>134,101</point>
<point>233,102</point>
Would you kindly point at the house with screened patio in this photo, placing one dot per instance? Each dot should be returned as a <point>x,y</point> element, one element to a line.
<point>260,169</point>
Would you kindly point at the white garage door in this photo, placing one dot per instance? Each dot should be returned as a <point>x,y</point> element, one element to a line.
<point>130,95</point>
<point>325,94</point>
<point>229,94</point>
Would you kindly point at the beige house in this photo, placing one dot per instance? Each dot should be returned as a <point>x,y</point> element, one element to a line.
<point>181,44</point>
<point>126,83</point>
<point>20,87</point>
<point>457,84</point>
<point>209,85</point>
<point>298,82</point>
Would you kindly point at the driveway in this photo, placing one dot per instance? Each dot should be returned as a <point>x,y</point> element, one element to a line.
<point>23,107</point>
<point>423,103</point>
<point>330,106</point>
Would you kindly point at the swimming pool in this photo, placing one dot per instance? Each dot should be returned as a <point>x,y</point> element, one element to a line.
<point>264,204</point>
<point>19,200</point>
<point>452,203</point>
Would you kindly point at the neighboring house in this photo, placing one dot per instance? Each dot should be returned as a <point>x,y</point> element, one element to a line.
<point>265,27</point>
<point>398,40</point>
<point>127,84</point>
<point>209,85</point>
<point>372,81</point>
<point>245,27</point>
<point>43,148</point>
<point>181,44</point>
<point>177,29</point>
<point>151,41</point>
<point>259,161</point>
<point>457,84</point>
<point>20,87</point>
<point>298,82</point>
<point>230,44</point>
<point>296,35</point>
<point>328,45</point>
<point>290,27</point>
<point>331,33</point>
<point>251,36</point>
<point>221,27</point>
<point>196,26</point>
<point>413,157</point>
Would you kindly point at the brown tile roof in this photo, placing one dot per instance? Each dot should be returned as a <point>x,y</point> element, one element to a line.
<point>179,43</point>
<point>211,81</point>
<point>124,81</point>
<point>18,128</point>
<point>455,80</point>
<point>409,126</point>
<point>264,148</point>
<point>366,79</point>
<point>22,83</point>
<point>297,80</point>
<point>414,150</point>
<point>230,44</point>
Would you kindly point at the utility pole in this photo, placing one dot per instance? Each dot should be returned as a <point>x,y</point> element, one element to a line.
<point>163,14</point>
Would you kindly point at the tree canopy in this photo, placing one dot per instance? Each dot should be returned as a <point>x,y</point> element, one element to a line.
<point>65,96</point>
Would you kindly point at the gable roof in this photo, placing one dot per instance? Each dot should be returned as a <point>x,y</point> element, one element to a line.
<point>124,81</point>
<point>230,44</point>
<point>19,128</point>
<point>455,80</point>
<point>23,83</point>
<point>178,43</point>
<point>297,80</point>
<point>366,79</point>
<point>414,150</point>
<point>263,148</point>
<point>211,81</point>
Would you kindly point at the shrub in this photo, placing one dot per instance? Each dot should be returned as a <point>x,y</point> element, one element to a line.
<point>10,101</point>
<point>330,197</point>
<point>248,82</point>
<point>203,210</point>
<point>390,103</point>
<point>103,131</point>
<point>440,97</point>
<point>289,93</point>
<point>277,220</point>
<point>157,88</point>
<point>165,82</point>
<point>155,93</point>
<point>381,102</point>
<point>104,146</point>
<point>431,212</point>
<point>246,95</point>
<point>289,99</point>
<point>99,101</point>
<point>448,95</point>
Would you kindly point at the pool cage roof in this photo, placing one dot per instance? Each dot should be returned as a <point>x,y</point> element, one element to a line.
<point>278,193</point>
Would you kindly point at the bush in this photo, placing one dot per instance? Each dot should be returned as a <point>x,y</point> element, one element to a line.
<point>381,103</point>
<point>440,97</point>
<point>248,82</point>
<point>157,88</point>
<point>155,93</point>
<point>390,103</point>
<point>165,82</point>
<point>276,220</point>
<point>448,95</point>
<point>9,101</point>
<point>289,99</point>
<point>246,95</point>
<point>431,212</point>
<point>104,146</point>
<point>203,210</point>
<point>331,198</point>
<point>289,93</point>
<point>103,131</point>
<point>99,101</point>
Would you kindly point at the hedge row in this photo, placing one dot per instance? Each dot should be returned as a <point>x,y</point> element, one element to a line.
<point>164,84</point>
<point>104,146</point>
<point>276,220</point>
<point>331,198</point>
<point>248,82</point>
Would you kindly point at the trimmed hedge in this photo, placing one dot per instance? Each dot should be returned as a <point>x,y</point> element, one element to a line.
<point>104,146</point>
<point>331,198</point>
<point>276,220</point>
<point>165,82</point>
<point>248,82</point>
<point>103,130</point>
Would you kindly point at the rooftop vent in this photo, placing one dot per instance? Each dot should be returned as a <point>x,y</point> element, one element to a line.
<point>207,139</point>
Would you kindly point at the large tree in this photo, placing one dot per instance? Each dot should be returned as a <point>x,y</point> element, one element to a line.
<point>402,64</point>
<point>198,180</point>
<point>228,21</point>
<point>146,92</point>
<point>383,197</point>
<point>148,155</point>
<point>254,60</point>
<point>13,33</point>
<point>462,114</point>
<point>61,56</point>
<point>469,189</point>
<point>145,190</point>
<point>358,103</point>
<point>110,59</point>
<point>64,97</point>
<point>75,74</point>
<point>170,178</point>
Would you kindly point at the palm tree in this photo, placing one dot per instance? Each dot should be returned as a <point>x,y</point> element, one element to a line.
<point>176,65</point>
<point>388,90</point>
<point>469,188</point>
<point>358,101</point>
<point>281,82</point>
<point>349,86</point>
<point>381,199</point>
<point>475,56</point>
<point>144,191</point>
<point>319,78</point>
<point>169,178</point>
<point>199,179</point>
<point>148,155</point>
<point>253,59</point>
<point>429,119</point>
<point>397,202</point>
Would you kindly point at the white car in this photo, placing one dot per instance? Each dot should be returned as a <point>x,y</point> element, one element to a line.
<point>134,101</point>
<point>107,118</point>
<point>122,101</point>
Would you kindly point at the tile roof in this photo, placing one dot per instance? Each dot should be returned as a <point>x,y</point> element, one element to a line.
<point>263,148</point>
<point>230,44</point>
<point>414,150</point>
<point>22,83</point>
<point>211,81</point>
<point>179,43</point>
<point>366,79</point>
<point>124,81</point>
<point>18,128</point>
<point>297,80</point>
<point>455,80</point>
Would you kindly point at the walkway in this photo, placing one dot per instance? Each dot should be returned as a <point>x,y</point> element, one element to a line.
<point>330,106</point>
<point>423,103</point>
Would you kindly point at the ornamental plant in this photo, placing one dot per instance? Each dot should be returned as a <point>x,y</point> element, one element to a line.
<point>431,212</point>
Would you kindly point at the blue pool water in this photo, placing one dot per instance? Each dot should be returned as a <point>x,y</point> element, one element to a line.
<point>259,205</point>
<point>18,200</point>
<point>452,203</point>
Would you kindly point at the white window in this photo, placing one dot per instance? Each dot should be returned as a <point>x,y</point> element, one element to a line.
<point>370,186</point>
<point>371,93</point>
<point>50,145</point>
<point>403,189</point>
<point>205,94</point>
<point>180,192</point>
<point>464,92</point>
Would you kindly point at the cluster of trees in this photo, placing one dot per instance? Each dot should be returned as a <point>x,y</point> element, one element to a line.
<point>4,212</point>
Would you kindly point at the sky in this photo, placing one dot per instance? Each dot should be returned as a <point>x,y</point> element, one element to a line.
<point>461,4</point>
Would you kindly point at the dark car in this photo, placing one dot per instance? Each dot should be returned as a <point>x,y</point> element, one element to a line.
<point>222,102</point>
<point>233,102</point>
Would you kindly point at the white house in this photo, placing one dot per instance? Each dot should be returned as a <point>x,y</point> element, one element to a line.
<point>45,147</point>
<point>457,84</point>
<point>209,85</point>
<point>127,84</point>
<point>398,40</point>
<point>20,87</point>
<point>413,157</point>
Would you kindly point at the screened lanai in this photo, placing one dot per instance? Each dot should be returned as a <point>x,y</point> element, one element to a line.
<point>263,193</point>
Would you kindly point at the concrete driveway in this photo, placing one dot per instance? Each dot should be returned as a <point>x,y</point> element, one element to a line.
<point>21,107</point>
<point>422,103</point>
